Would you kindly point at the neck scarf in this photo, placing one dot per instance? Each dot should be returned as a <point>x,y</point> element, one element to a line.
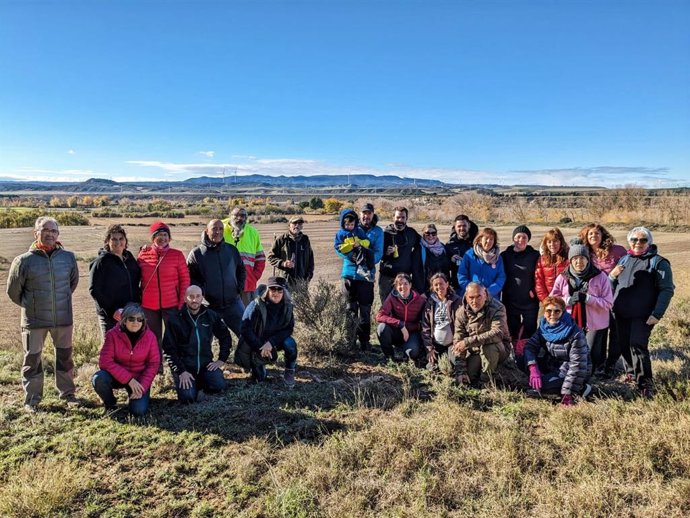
<point>558,332</point>
<point>436,248</point>
<point>490,257</point>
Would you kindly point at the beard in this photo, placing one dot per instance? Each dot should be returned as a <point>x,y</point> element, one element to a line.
<point>237,229</point>
<point>400,226</point>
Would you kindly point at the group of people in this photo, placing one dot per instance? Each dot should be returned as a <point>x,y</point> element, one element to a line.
<point>465,299</point>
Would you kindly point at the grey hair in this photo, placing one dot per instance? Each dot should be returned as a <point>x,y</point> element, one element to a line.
<point>239,209</point>
<point>130,310</point>
<point>42,220</point>
<point>641,230</point>
<point>478,285</point>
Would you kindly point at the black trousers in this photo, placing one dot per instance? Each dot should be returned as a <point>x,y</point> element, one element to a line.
<point>360,297</point>
<point>525,318</point>
<point>633,337</point>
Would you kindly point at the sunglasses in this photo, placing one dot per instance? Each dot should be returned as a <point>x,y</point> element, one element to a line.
<point>135,319</point>
<point>553,311</point>
<point>274,288</point>
<point>430,233</point>
<point>639,240</point>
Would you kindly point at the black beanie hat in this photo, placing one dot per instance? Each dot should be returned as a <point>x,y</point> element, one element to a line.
<point>522,229</point>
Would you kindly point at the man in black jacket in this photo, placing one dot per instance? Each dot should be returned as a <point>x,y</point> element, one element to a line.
<point>460,241</point>
<point>292,253</point>
<point>187,348</point>
<point>216,267</point>
<point>401,254</point>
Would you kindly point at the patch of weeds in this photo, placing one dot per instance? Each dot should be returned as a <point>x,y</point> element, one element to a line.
<point>294,501</point>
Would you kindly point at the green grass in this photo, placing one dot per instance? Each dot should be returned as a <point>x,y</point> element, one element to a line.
<point>353,439</point>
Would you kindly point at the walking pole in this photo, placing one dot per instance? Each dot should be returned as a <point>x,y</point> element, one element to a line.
<point>274,242</point>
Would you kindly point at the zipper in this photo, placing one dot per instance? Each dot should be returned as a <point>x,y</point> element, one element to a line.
<point>52,284</point>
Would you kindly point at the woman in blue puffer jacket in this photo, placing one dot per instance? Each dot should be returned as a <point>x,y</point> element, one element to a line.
<point>483,264</point>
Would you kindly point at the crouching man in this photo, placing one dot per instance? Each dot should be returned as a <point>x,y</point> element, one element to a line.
<point>482,339</point>
<point>267,327</point>
<point>187,348</point>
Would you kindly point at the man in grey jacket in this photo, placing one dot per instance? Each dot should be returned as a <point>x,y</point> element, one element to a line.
<point>42,281</point>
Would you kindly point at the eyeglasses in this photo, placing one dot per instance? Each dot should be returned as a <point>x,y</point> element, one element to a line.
<point>553,311</point>
<point>135,319</point>
<point>642,240</point>
<point>430,233</point>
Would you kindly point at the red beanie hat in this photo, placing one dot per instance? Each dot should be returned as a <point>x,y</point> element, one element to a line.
<point>158,226</point>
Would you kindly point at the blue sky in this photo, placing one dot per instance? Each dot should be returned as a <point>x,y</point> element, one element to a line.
<point>511,92</point>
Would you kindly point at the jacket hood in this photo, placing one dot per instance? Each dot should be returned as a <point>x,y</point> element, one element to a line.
<point>395,293</point>
<point>344,213</point>
<point>262,290</point>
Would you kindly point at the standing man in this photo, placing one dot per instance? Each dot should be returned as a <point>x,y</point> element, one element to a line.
<point>358,290</point>
<point>248,243</point>
<point>401,254</point>
<point>42,281</point>
<point>216,267</point>
<point>460,241</point>
<point>292,253</point>
<point>187,348</point>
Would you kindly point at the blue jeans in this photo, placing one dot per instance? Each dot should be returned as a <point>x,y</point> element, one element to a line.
<point>104,383</point>
<point>289,347</point>
<point>210,382</point>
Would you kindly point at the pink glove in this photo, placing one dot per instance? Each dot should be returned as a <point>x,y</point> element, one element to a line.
<point>567,400</point>
<point>534,377</point>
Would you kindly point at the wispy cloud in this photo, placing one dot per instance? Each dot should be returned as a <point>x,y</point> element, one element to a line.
<point>610,176</point>
<point>207,154</point>
<point>71,152</point>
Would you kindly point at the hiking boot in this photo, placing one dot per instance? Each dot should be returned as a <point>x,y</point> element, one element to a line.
<point>647,393</point>
<point>289,378</point>
<point>365,347</point>
<point>30,409</point>
<point>72,401</point>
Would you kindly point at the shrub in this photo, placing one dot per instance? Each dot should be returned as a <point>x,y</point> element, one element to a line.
<point>323,326</point>
<point>26,218</point>
<point>316,203</point>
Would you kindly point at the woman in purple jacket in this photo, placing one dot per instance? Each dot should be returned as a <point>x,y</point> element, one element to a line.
<point>588,297</point>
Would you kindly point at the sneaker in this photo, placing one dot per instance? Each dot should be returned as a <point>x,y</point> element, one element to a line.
<point>586,391</point>
<point>647,393</point>
<point>72,401</point>
<point>289,378</point>
<point>30,409</point>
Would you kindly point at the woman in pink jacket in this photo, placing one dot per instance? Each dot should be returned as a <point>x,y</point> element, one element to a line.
<point>588,297</point>
<point>605,255</point>
<point>129,359</point>
<point>164,278</point>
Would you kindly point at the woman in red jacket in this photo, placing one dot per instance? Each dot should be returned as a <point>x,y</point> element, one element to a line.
<point>129,359</point>
<point>553,260</point>
<point>400,321</point>
<point>164,278</point>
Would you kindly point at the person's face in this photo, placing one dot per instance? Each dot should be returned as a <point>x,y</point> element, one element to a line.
<point>639,243</point>
<point>553,245</point>
<point>594,237</point>
<point>296,228</point>
<point>365,217</point>
<point>487,242</point>
<point>439,287</point>
<point>430,236</point>
<point>117,243</point>
<point>48,234</point>
<point>239,217</point>
<point>214,231</point>
<point>349,224</point>
<point>400,219</point>
<point>193,299</point>
<point>275,294</point>
<point>462,228</point>
<point>403,287</point>
<point>579,263</point>
<point>520,241</point>
<point>475,297</point>
<point>552,313</point>
<point>161,239</point>
<point>134,323</point>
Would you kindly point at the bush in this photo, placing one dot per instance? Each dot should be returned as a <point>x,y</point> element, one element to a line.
<point>316,203</point>
<point>26,218</point>
<point>323,326</point>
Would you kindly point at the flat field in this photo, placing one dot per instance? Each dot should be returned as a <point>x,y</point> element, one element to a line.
<point>354,438</point>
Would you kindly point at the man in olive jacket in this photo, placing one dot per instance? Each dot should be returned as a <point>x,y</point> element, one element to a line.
<point>187,348</point>
<point>482,340</point>
<point>42,281</point>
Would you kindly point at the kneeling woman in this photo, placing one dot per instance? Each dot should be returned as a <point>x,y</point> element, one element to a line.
<point>267,327</point>
<point>438,321</point>
<point>399,321</point>
<point>129,359</point>
<point>565,353</point>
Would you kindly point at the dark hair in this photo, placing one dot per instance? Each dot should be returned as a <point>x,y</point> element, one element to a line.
<point>562,255</point>
<point>461,217</point>
<point>114,229</point>
<point>401,276</point>
<point>607,240</point>
<point>400,208</point>
<point>438,275</point>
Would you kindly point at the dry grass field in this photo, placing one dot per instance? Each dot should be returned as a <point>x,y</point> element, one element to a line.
<point>354,438</point>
